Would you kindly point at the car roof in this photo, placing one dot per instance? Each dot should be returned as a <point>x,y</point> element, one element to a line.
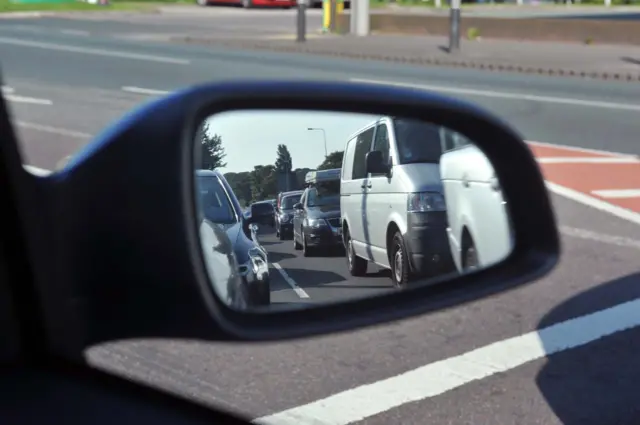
<point>211,173</point>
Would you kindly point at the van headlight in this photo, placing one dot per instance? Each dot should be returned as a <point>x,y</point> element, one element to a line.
<point>426,202</point>
<point>284,217</point>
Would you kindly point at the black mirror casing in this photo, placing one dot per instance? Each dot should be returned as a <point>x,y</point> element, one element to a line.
<point>375,163</point>
<point>297,206</point>
<point>91,249</point>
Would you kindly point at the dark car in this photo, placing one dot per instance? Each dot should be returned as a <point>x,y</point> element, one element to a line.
<point>316,220</point>
<point>284,214</point>
<point>220,209</point>
<point>263,212</point>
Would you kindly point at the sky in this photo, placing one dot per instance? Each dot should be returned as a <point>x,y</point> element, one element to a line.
<point>251,137</point>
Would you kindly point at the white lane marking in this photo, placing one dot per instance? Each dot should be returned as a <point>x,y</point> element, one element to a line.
<point>42,172</point>
<point>587,160</point>
<point>621,241</point>
<point>75,32</point>
<point>505,95</point>
<point>578,149</point>
<point>30,100</point>
<point>440,377</point>
<point>142,90</point>
<point>7,90</point>
<point>292,283</point>
<point>88,51</point>
<point>590,201</point>
<point>53,130</point>
<point>617,193</point>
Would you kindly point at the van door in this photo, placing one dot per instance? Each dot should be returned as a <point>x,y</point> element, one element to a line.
<point>379,196</point>
<point>357,187</point>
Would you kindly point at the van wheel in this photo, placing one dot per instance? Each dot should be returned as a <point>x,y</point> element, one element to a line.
<point>469,257</point>
<point>296,245</point>
<point>357,266</point>
<point>400,273</point>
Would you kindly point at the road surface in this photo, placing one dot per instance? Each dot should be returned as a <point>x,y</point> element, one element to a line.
<point>492,361</point>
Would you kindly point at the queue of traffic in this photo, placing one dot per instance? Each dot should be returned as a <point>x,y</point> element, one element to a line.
<point>418,199</point>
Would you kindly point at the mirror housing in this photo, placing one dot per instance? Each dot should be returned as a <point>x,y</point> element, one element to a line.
<point>297,206</point>
<point>84,264</point>
<point>375,164</point>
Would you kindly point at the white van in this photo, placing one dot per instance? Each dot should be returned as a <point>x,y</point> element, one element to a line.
<point>392,206</point>
<point>479,227</point>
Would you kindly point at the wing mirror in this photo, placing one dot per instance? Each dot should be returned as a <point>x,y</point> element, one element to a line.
<point>297,206</point>
<point>436,268</point>
<point>375,163</point>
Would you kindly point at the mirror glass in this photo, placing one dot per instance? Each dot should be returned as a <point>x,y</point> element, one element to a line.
<point>312,207</point>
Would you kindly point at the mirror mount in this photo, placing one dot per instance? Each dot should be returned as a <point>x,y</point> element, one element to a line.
<point>297,206</point>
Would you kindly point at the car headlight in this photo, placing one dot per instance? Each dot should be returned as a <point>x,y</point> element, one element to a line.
<point>284,217</point>
<point>316,222</point>
<point>425,202</point>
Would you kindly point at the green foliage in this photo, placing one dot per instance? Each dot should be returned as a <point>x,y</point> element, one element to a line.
<point>333,160</point>
<point>212,150</point>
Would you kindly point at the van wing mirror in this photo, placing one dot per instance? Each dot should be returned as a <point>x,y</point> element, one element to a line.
<point>297,206</point>
<point>375,163</point>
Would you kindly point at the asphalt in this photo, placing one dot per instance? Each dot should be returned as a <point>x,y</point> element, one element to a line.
<point>591,384</point>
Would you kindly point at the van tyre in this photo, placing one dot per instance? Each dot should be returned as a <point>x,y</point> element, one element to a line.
<point>400,272</point>
<point>357,266</point>
<point>469,257</point>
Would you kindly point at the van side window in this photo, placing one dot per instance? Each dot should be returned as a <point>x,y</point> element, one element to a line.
<point>363,144</point>
<point>347,160</point>
<point>381,143</point>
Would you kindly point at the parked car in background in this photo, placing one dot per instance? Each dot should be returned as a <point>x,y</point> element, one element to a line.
<point>479,227</point>
<point>220,211</point>
<point>284,214</point>
<point>263,212</point>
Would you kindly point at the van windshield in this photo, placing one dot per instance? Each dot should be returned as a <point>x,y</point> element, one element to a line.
<point>214,201</point>
<point>324,193</point>
<point>418,141</point>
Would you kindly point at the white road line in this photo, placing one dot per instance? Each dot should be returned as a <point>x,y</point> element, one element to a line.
<point>578,149</point>
<point>505,95</point>
<point>88,51</point>
<point>37,170</point>
<point>600,237</point>
<point>75,32</point>
<point>298,290</point>
<point>7,90</point>
<point>617,193</point>
<point>53,130</point>
<point>30,100</point>
<point>141,90</point>
<point>587,160</point>
<point>440,377</point>
<point>590,201</point>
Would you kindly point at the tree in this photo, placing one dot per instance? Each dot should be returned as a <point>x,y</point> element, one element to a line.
<point>264,184</point>
<point>212,150</point>
<point>333,160</point>
<point>241,185</point>
<point>283,159</point>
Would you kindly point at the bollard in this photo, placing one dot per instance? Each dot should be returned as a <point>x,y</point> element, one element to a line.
<point>454,26</point>
<point>302,21</point>
<point>326,15</point>
<point>330,11</point>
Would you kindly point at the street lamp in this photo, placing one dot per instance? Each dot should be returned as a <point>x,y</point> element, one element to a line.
<point>324,135</point>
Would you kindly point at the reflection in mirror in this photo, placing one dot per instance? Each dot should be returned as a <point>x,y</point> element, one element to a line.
<point>340,206</point>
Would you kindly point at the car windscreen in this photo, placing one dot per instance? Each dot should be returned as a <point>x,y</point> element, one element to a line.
<point>289,201</point>
<point>262,208</point>
<point>417,141</point>
<point>214,201</point>
<point>324,193</point>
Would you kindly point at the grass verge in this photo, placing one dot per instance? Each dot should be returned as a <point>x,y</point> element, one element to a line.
<point>8,6</point>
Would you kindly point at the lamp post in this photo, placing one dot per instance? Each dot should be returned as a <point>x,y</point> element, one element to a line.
<point>324,135</point>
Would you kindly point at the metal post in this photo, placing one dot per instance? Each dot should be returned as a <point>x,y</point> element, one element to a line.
<point>332,21</point>
<point>302,21</point>
<point>454,27</point>
<point>361,20</point>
